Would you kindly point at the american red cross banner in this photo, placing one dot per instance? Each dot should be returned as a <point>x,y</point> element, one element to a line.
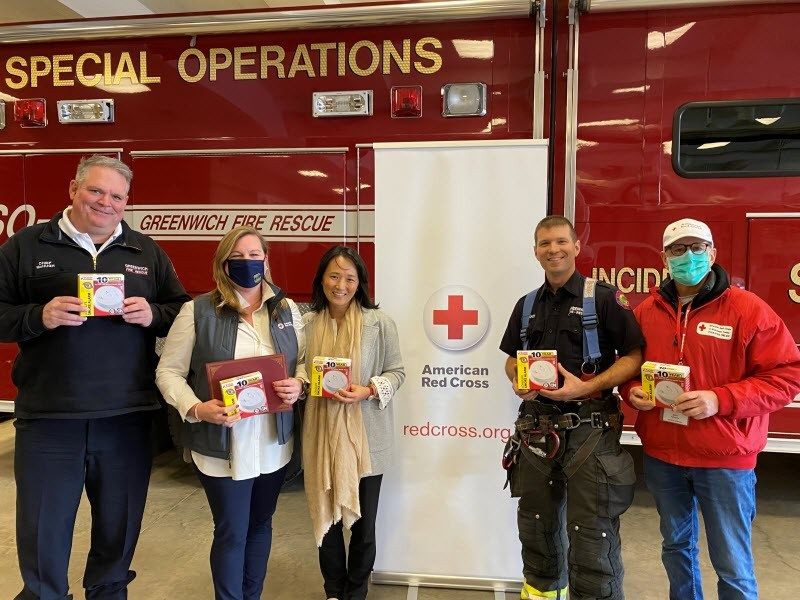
<point>453,253</point>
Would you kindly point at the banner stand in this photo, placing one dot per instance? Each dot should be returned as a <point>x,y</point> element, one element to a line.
<point>453,254</point>
<point>444,581</point>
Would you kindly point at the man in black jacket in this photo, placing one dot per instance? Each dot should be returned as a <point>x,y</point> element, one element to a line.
<point>86,387</point>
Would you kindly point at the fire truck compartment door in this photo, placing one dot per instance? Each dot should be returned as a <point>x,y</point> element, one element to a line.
<point>13,216</point>
<point>187,200</point>
<point>773,272</point>
<point>773,265</point>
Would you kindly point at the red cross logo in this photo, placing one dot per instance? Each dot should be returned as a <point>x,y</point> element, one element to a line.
<point>446,306</point>
<point>455,317</point>
<point>701,327</point>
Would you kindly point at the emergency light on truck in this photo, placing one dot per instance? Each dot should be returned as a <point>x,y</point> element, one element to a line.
<point>406,101</point>
<point>342,104</point>
<point>464,99</point>
<point>85,111</point>
<point>30,112</point>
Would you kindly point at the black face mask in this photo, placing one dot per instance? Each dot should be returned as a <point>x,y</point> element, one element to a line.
<point>244,272</point>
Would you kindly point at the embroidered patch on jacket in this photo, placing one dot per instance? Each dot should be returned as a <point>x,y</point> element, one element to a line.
<point>722,332</point>
<point>576,310</point>
<point>45,264</point>
<point>622,300</point>
<point>137,269</point>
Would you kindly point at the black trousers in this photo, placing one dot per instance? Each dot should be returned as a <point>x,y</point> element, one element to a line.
<point>346,574</point>
<point>583,509</point>
<point>54,460</point>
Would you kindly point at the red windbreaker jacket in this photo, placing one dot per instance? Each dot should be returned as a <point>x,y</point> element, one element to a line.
<point>736,346</point>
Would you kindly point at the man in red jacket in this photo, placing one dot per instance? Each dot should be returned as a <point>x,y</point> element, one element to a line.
<point>744,365</point>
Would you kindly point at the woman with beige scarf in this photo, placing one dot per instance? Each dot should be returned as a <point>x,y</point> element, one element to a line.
<point>348,439</point>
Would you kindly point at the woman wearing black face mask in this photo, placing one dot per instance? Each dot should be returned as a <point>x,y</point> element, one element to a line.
<point>241,462</point>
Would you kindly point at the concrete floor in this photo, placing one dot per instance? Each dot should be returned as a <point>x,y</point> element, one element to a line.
<point>172,555</point>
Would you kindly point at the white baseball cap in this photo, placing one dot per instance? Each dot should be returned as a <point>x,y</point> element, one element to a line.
<point>687,228</point>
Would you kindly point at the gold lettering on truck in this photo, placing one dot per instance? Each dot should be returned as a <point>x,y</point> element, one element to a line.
<point>629,279</point>
<point>794,275</point>
<point>88,81</point>
<point>108,79</point>
<point>143,76</point>
<point>58,69</point>
<point>220,59</point>
<point>239,62</point>
<point>323,56</point>
<point>401,59</point>
<point>301,62</point>
<point>353,58</point>
<point>626,288</point>
<point>16,72</point>
<point>201,65</point>
<point>125,70</point>
<point>276,63</point>
<point>363,58</point>
<point>433,57</point>
<point>40,67</point>
<point>341,50</point>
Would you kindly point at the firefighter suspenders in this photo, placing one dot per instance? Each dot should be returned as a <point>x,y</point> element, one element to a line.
<point>541,434</point>
<point>591,342</point>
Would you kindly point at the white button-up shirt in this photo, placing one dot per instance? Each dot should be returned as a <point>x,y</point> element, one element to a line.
<point>255,449</point>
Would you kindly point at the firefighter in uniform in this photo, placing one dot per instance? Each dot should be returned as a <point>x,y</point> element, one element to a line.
<point>565,461</point>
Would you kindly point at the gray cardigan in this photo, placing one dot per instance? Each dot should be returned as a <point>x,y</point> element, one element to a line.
<point>380,362</point>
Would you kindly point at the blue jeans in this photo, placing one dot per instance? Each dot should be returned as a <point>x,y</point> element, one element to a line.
<point>727,499</point>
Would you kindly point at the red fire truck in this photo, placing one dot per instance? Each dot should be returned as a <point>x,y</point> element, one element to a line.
<point>654,110</point>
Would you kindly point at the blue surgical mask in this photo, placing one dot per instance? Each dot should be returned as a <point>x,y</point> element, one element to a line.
<point>244,272</point>
<point>689,269</point>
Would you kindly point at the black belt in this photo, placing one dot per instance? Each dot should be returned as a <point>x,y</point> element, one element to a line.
<point>582,406</point>
<point>540,428</point>
<point>566,421</point>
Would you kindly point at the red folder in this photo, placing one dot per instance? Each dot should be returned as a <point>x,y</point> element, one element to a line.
<point>272,368</point>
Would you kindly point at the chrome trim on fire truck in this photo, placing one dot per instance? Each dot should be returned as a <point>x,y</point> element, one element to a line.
<point>781,445</point>
<point>61,151</point>
<point>230,151</point>
<point>259,21</point>
<point>777,215</point>
<point>6,406</point>
<point>571,135</point>
<point>538,71</point>
<point>615,5</point>
<point>629,438</point>
<point>358,197</point>
<point>461,143</point>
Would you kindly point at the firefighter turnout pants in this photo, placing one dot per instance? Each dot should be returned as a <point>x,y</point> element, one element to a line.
<point>583,509</point>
